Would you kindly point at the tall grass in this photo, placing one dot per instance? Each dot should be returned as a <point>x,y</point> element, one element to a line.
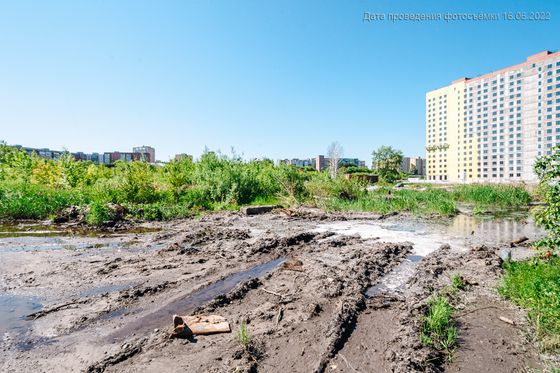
<point>386,200</point>
<point>484,195</point>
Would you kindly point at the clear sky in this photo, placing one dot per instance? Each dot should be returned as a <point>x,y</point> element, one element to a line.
<point>279,79</point>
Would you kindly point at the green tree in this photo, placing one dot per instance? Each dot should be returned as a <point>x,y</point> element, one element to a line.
<point>387,163</point>
<point>547,216</point>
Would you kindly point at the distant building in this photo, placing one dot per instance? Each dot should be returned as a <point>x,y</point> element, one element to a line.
<point>105,158</point>
<point>180,157</point>
<point>146,149</point>
<point>297,162</point>
<point>405,164</point>
<point>492,128</point>
<point>414,166</point>
<point>112,157</point>
<point>418,165</point>
<point>321,163</point>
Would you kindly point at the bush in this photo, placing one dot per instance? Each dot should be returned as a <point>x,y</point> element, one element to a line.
<point>98,213</point>
<point>547,216</point>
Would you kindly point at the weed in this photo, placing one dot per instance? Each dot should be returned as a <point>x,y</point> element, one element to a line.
<point>243,335</point>
<point>98,213</point>
<point>457,282</point>
<point>437,325</point>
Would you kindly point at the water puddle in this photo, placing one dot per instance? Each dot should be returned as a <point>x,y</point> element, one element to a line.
<point>46,230</point>
<point>463,232</point>
<point>13,309</point>
<point>188,304</point>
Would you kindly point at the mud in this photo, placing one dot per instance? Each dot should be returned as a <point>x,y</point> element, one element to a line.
<point>318,292</point>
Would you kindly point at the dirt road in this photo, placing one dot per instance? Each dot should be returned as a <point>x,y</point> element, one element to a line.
<point>318,292</point>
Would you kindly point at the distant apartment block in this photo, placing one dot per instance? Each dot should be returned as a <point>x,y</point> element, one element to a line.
<point>112,157</point>
<point>414,166</point>
<point>493,127</point>
<point>107,158</point>
<point>298,162</point>
<point>321,163</point>
<point>146,149</point>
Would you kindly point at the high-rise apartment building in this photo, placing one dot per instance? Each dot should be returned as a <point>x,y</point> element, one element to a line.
<point>493,127</point>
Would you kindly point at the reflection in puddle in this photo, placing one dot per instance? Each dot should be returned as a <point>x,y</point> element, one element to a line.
<point>42,230</point>
<point>461,233</point>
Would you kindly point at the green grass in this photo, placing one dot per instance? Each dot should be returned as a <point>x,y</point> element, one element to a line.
<point>437,325</point>
<point>457,282</point>
<point>429,200</point>
<point>243,336</point>
<point>535,286</point>
<point>404,200</point>
<point>490,195</point>
<point>32,201</point>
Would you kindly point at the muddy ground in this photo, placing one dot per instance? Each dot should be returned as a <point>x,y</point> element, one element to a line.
<point>317,295</point>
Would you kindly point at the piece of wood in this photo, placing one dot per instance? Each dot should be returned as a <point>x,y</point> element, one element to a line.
<point>199,325</point>
<point>506,320</point>
<point>271,292</point>
<point>518,241</point>
<point>280,315</point>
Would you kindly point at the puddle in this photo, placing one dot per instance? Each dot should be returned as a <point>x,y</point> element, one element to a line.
<point>185,305</point>
<point>395,281</point>
<point>43,230</point>
<point>114,314</point>
<point>13,309</point>
<point>461,233</point>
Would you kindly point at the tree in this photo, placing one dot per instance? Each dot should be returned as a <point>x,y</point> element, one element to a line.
<point>334,153</point>
<point>547,216</point>
<point>387,163</point>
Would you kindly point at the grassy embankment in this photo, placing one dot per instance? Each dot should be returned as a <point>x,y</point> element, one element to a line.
<point>535,285</point>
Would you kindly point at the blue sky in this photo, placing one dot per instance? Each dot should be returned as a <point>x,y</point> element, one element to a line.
<point>277,79</point>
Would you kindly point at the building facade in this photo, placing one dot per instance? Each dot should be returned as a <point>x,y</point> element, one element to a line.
<point>107,158</point>
<point>493,127</point>
<point>414,166</point>
<point>321,163</point>
<point>146,149</point>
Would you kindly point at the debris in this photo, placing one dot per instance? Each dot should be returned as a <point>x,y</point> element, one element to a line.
<point>257,210</point>
<point>272,292</point>
<point>518,241</point>
<point>388,215</point>
<point>293,264</point>
<point>280,315</point>
<point>506,320</point>
<point>186,326</point>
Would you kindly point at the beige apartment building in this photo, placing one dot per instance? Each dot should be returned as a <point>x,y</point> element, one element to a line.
<point>493,127</point>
